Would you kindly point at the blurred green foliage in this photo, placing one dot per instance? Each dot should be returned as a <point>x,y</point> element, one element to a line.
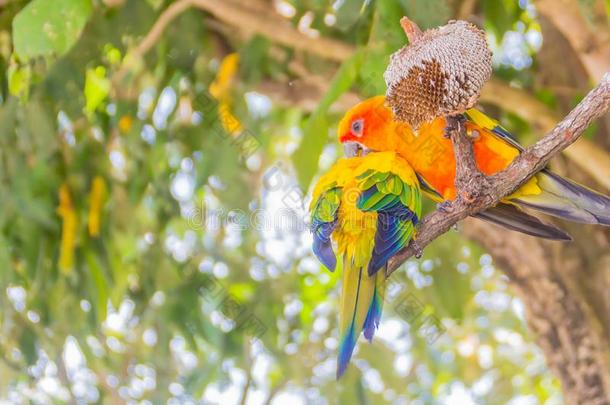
<point>127,312</point>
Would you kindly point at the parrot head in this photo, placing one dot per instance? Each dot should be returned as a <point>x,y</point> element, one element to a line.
<point>366,127</point>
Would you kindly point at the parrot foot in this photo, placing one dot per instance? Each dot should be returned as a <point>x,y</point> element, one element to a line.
<point>419,252</point>
<point>446,206</point>
<point>455,123</point>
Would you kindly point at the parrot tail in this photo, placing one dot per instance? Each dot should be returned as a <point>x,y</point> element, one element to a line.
<point>360,311</point>
<point>566,199</point>
<point>511,217</point>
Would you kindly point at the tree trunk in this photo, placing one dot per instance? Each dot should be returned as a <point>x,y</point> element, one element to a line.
<point>565,286</point>
<point>560,284</point>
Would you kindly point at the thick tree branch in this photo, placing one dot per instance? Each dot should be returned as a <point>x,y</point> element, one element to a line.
<point>476,193</point>
<point>594,160</point>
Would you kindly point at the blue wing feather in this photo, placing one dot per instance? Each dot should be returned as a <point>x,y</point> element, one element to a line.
<point>323,223</point>
<point>322,246</point>
<point>395,226</point>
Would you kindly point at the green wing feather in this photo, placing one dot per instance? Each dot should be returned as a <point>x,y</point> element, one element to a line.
<point>397,201</point>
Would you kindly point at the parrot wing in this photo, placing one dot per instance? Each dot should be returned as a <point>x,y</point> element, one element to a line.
<point>390,188</point>
<point>480,119</point>
<point>511,217</point>
<point>324,208</point>
<point>323,223</point>
<point>386,185</point>
<point>428,190</point>
<point>556,195</point>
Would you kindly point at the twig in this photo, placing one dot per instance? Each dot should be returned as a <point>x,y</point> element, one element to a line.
<point>152,37</point>
<point>250,363</point>
<point>467,173</point>
<point>166,17</point>
<point>62,373</point>
<point>274,391</point>
<point>477,192</point>
<point>245,18</point>
<point>411,29</point>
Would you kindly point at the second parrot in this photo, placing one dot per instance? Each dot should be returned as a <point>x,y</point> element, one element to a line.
<point>369,206</point>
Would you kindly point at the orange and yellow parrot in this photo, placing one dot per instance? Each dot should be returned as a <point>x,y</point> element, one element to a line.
<point>370,126</point>
<point>369,206</point>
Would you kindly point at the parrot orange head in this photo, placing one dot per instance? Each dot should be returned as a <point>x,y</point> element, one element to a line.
<point>366,127</point>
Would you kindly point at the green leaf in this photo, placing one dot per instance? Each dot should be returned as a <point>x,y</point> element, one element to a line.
<point>386,30</point>
<point>27,344</point>
<point>19,81</point>
<point>253,59</point>
<point>5,262</point>
<point>306,157</point>
<point>99,286</point>
<point>45,28</point>
<point>97,87</point>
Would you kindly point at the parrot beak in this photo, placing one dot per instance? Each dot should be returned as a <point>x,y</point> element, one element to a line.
<point>351,149</point>
<point>355,149</point>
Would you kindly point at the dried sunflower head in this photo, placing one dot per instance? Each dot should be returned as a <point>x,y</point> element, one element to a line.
<point>440,73</point>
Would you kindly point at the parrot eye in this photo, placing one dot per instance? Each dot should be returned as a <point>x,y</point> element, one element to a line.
<point>358,127</point>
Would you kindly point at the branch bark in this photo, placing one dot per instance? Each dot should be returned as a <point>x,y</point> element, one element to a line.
<point>476,193</point>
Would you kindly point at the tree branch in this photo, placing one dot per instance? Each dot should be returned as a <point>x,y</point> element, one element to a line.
<point>477,192</point>
<point>249,18</point>
<point>275,28</point>
<point>586,155</point>
<point>591,158</point>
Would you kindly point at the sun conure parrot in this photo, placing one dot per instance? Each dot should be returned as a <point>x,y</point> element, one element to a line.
<point>371,127</point>
<point>369,206</point>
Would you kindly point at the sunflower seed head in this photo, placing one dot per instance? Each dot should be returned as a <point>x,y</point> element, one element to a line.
<point>440,73</point>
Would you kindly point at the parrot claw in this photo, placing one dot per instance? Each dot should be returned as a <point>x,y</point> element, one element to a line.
<point>445,206</point>
<point>416,248</point>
